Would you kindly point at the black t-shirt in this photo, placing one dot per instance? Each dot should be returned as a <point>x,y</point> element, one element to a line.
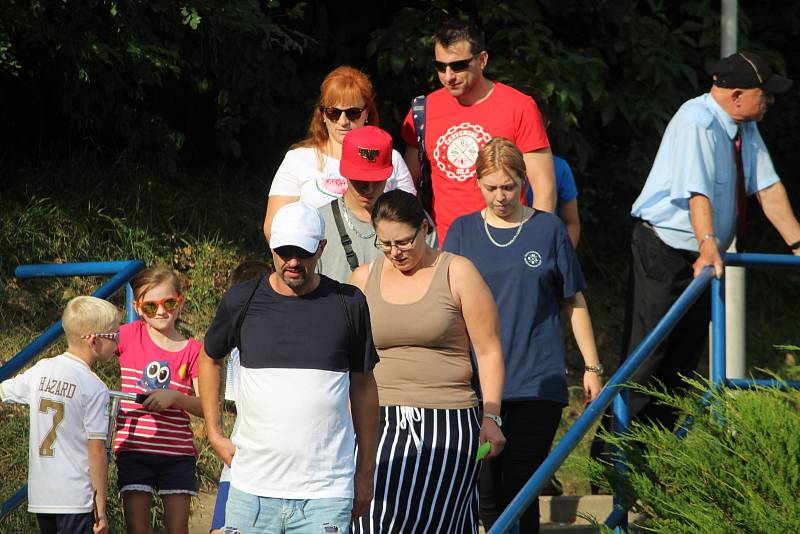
<point>306,332</point>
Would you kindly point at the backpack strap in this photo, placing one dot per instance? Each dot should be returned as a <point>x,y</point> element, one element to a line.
<point>351,331</point>
<point>347,243</point>
<point>425,189</point>
<point>240,319</point>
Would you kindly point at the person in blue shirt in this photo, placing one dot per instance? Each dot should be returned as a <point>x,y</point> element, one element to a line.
<point>566,190</point>
<point>711,157</point>
<point>526,258</point>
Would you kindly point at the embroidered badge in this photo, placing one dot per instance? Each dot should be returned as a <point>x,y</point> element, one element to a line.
<point>533,259</point>
<point>369,154</point>
<point>457,149</point>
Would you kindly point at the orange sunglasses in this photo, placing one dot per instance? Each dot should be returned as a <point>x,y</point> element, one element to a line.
<point>150,307</point>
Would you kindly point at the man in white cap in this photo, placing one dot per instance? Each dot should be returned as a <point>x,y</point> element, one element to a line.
<point>306,349</point>
<point>366,164</point>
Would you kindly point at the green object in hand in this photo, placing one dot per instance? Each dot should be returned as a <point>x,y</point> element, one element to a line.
<point>483,450</point>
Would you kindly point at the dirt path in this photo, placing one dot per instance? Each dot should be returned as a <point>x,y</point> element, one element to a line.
<point>202,510</point>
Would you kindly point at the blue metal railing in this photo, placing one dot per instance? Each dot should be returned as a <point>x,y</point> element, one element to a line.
<point>507,522</point>
<point>121,271</point>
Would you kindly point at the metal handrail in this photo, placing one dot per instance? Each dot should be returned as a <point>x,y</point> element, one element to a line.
<point>122,272</point>
<point>594,411</point>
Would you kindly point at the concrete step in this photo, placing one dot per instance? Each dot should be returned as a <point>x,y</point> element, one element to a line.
<point>566,528</point>
<point>565,509</point>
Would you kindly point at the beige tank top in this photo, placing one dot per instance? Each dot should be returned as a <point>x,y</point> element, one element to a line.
<point>424,346</point>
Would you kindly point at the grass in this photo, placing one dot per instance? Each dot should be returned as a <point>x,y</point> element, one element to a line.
<point>203,226</point>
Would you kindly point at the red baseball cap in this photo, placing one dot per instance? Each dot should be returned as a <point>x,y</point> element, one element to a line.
<point>366,155</point>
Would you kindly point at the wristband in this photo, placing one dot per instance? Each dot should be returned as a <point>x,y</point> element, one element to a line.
<point>795,245</point>
<point>597,369</point>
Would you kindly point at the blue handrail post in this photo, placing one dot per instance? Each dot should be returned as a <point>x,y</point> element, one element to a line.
<point>130,311</point>
<point>620,426</point>
<point>718,371</point>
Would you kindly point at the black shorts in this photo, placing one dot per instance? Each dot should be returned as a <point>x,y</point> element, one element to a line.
<point>62,523</point>
<point>156,473</point>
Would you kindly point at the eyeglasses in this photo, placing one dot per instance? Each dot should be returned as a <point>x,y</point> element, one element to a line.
<point>290,251</point>
<point>455,66</point>
<point>333,114</point>
<point>113,336</point>
<point>402,245</point>
<point>150,307</point>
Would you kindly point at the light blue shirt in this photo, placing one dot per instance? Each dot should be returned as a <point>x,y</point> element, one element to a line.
<point>697,156</point>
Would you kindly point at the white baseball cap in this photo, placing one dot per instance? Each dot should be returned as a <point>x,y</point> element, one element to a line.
<point>297,224</point>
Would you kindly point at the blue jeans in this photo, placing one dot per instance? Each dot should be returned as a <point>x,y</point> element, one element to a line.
<point>252,514</point>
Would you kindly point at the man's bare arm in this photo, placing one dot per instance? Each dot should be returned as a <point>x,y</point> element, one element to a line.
<point>539,168</point>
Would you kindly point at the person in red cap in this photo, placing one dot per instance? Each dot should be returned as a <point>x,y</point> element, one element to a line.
<point>692,206</point>
<point>366,164</point>
<point>310,169</point>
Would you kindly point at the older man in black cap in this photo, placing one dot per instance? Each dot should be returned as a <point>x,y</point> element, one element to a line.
<point>693,204</point>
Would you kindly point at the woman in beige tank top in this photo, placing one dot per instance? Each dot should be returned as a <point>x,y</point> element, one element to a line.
<point>426,307</point>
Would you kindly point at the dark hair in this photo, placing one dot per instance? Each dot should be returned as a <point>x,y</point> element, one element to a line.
<point>541,100</point>
<point>247,270</point>
<point>398,206</point>
<point>455,30</point>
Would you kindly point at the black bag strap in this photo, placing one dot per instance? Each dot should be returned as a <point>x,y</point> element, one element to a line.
<point>425,190</point>
<point>347,243</point>
<point>240,319</point>
<point>351,331</point>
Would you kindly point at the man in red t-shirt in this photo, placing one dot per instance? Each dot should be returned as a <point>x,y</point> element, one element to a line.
<point>463,116</point>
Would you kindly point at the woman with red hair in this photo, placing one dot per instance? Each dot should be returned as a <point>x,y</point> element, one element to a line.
<point>310,169</point>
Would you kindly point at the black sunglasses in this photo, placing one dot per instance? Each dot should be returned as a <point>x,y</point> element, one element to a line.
<point>333,114</point>
<point>290,251</point>
<point>455,66</point>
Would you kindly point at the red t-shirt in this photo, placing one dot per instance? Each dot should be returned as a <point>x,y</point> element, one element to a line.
<point>453,136</point>
<point>145,367</point>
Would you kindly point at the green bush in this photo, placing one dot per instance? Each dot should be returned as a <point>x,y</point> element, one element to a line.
<point>737,469</point>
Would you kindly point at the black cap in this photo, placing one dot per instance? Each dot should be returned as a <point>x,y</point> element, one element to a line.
<point>745,70</point>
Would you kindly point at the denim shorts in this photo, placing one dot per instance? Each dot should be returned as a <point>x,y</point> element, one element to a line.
<point>250,514</point>
<point>156,473</point>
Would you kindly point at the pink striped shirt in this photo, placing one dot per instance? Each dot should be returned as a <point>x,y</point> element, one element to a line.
<point>145,367</point>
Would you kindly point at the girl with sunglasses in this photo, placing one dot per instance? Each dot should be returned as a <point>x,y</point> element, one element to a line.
<point>310,170</point>
<point>426,308</point>
<point>154,442</point>
<point>527,259</point>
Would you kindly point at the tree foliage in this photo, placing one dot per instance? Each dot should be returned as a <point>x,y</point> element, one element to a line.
<point>213,82</point>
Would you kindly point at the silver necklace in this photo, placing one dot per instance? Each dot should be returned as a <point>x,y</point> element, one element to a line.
<point>350,224</point>
<point>489,235</point>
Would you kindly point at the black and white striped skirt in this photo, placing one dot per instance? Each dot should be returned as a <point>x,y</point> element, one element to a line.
<point>426,479</point>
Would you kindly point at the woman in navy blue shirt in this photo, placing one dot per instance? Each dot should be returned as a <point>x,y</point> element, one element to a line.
<point>529,263</point>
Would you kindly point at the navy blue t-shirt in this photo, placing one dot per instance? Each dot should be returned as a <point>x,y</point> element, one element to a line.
<point>528,279</point>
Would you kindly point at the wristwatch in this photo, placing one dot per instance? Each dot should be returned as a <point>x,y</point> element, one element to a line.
<point>496,418</point>
<point>599,369</point>
<point>706,237</point>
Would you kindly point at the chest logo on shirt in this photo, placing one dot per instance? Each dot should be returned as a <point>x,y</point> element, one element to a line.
<point>532,259</point>
<point>457,149</point>
<point>334,186</point>
<point>156,375</point>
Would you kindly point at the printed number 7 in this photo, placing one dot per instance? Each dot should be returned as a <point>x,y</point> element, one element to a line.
<point>46,448</point>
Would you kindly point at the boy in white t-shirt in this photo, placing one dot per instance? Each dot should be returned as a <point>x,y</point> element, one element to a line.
<point>67,468</point>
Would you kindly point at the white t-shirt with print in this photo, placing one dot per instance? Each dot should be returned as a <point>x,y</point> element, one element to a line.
<point>299,175</point>
<point>68,407</point>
